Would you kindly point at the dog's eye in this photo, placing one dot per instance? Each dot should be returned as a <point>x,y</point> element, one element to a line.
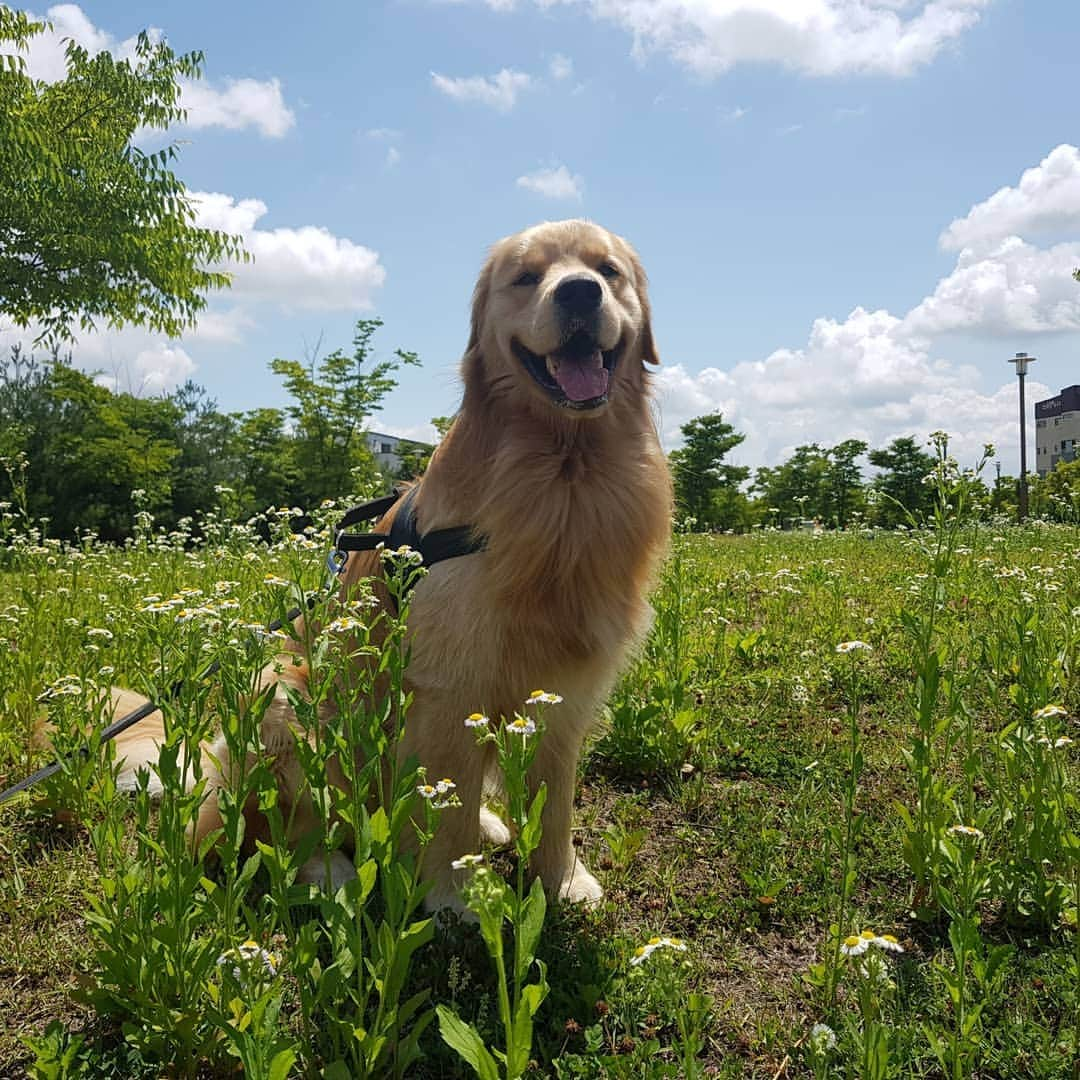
<point>528,278</point>
<point>608,270</point>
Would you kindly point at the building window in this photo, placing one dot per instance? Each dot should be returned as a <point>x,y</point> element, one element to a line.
<point>385,448</point>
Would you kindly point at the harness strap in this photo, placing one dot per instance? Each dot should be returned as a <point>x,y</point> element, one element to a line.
<point>434,546</point>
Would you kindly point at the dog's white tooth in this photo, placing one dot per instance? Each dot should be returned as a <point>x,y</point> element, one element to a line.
<point>552,365</point>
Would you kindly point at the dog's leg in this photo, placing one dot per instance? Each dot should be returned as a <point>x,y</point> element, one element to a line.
<point>556,862</point>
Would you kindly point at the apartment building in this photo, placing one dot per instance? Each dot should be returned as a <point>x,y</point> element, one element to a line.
<point>390,450</point>
<point>1057,429</point>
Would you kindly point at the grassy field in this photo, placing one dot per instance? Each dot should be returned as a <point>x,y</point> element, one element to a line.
<point>784,767</point>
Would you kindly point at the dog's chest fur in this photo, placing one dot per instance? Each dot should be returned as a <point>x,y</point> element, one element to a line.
<point>574,530</point>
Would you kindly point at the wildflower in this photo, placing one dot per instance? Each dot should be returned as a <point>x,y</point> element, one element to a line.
<point>1049,712</point>
<point>643,952</point>
<point>889,943</point>
<point>1061,742</point>
<point>542,697</point>
<point>476,720</point>
<point>427,791</point>
<point>466,862</point>
<point>444,787</point>
<point>271,579</point>
<point>822,1038</point>
<point>248,952</point>
<point>99,632</point>
<point>404,554</point>
<point>855,945</point>
<point>851,646</point>
<point>965,830</point>
<point>520,725</point>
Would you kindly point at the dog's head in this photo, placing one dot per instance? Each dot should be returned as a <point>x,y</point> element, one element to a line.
<point>561,319</point>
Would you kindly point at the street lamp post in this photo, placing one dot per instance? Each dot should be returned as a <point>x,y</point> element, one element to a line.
<point>1021,360</point>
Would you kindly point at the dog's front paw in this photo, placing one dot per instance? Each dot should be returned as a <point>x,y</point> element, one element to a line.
<point>580,887</point>
<point>314,871</point>
<point>493,830</point>
<point>447,898</point>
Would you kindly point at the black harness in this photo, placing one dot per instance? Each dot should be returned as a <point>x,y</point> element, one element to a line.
<point>434,546</point>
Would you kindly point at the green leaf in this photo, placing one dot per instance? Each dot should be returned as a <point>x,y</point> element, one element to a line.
<point>466,1040</point>
<point>281,1063</point>
<point>529,926</point>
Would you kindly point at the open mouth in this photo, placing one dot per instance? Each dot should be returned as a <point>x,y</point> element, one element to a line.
<point>577,375</point>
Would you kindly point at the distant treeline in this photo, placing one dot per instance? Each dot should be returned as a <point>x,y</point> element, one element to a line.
<point>825,485</point>
<point>73,450</point>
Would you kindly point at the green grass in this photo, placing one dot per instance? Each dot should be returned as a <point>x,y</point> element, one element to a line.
<point>711,807</point>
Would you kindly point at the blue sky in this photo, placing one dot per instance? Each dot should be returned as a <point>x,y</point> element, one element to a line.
<point>853,212</point>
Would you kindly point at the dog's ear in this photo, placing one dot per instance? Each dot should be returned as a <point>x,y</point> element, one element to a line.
<point>479,304</point>
<point>648,343</point>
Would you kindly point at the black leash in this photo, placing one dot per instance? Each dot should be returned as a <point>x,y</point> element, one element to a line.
<point>434,546</point>
<point>141,713</point>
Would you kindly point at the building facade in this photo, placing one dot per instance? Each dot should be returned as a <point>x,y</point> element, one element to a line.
<point>391,450</point>
<point>1057,429</point>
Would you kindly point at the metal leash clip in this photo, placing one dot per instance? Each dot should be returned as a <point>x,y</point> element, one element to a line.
<point>336,559</point>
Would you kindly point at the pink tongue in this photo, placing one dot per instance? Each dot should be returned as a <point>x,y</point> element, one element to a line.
<point>581,380</point>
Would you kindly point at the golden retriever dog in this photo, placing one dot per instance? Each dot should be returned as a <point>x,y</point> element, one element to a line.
<point>554,459</point>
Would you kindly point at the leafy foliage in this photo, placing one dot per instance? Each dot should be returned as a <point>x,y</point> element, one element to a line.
<point>91,227</point>
<point>706,489</point>
<point>87,449</point>
<point>332,400</point>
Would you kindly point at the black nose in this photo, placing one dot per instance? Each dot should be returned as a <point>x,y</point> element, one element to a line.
<point>578,295</point>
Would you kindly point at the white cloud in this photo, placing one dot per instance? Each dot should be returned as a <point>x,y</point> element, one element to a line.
<point>556,182</point>
<point>877,376</point>
<point>1046,200</point>
<point>306,267</point>
<point>856,379</point>
<point>302,268</point>
<point>733,114</point>
<point>393,156</point>
<point>384,134</point>
<point>239,104</point>
<point>815,37</point>
<point>242,103</point>
<point>499,92</point>
<point>1014,287</point>
<point>561,67</point>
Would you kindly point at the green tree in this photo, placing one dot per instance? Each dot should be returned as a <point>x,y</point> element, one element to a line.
<point>87,449</point>
<point>843,482</point>
<point>333,399</point>
<point>207,455</point>
<point>266,472</point>
<point>91,227</point>
<point>441,424</point>
<point>901,484</point>
<point>706,488</point>
<point>798,488</point>
<point>1057,494</point>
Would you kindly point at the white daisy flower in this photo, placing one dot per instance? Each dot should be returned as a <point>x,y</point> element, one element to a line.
<point>466,862</point>
<point>643,952</point>
<point>520,725</point>
<point>542,697</point>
